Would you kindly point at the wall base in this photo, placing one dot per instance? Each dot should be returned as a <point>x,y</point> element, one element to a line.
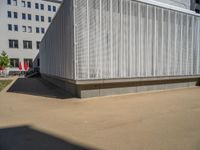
<point>86,89</point>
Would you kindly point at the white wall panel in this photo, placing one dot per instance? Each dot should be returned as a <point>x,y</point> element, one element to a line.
<point>114,39</point>
<point>129,39</point>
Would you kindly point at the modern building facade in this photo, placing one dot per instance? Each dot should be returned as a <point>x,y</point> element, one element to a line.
<point>103,47</point>
<point>23,24</point>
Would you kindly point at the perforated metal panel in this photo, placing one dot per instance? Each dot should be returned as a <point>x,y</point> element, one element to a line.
<point>129,39</point>
<point>114,39</point>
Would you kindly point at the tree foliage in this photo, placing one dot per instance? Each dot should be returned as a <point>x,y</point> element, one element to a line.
<point>4,60</point>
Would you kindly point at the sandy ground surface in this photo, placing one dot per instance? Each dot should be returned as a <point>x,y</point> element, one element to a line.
<point>34,117</point>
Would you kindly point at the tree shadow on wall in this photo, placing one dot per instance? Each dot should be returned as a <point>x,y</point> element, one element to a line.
<point>27,138</point>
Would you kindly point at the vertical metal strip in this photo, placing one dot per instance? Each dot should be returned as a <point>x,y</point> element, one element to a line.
<point>169,46</point>
<point>192,48</point>
<point>101,66</point>
<point>147,44</point>
<point>111,28</point>
<point>130,40</point>
<point>155,44</point>
<point>198,53</point>
<point>88,41</point>
<point>162,44</point>
<point>187,51</point>
<point>139,37</point>
<point>181,48</point>
<point>175,44</point>
<point>75,57</point>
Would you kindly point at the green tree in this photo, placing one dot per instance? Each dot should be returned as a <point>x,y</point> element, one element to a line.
<point>4,60</point>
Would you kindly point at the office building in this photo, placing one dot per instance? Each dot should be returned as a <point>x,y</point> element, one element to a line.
<point>23,24</point>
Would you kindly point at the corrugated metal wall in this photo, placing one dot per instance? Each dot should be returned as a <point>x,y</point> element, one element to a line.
<point>56,49</point>
<point>128,39</point>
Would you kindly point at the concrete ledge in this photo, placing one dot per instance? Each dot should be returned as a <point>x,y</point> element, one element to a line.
<point>95,88</point>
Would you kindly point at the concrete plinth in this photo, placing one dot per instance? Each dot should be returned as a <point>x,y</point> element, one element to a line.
<point>95,88</point>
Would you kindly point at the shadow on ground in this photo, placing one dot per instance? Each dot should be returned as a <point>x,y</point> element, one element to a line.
<point>38,87</point>
<point>27,138</point>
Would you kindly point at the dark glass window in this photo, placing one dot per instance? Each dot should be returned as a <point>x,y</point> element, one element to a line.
<point>42,18</point>
<point>49,19</point>
<point>13,44</point>
<point>16,27</point>
<point>23,28</point>
<point>37,30</point>
<point>36,6</point>
<point>23,16</point>
<point>14,62</point>
<point>9,27</point>
<point>49,7</point>
<point>15,15</point>
<point>27,44</point>
<point>9,2</point>
<point>42,6</point>
<point>54,8</point>
<point>29,4</point>
<point>29,62</point>
<point>197,11</point>
<point>38,45</point>
<point>9,14</point>
<point>37,18</point>
<point>29,16</point>
<point>198,1</point>
<point>42,30</point>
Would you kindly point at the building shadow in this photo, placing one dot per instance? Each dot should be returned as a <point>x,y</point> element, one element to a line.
<point>38,87</point>
<point>27,138</point>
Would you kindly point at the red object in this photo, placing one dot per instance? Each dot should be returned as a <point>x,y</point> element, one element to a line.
<point>20,66</point>
<point>25,66</point>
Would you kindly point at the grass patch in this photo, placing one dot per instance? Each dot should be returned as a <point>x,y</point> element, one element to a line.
<point>4,83</point>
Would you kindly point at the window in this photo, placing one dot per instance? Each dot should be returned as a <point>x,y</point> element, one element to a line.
<point>37,30</point>
<point>37,18</point>
<point>29,4</point>
<point>38,45</point>
<point>9,2</point>
<point>9,27</point>
<point>49,7</point>
<point>15,2</point>
<point>36,6</point>
<point>14,62</point>
<point>23,28</point>
<point>197,11</point>
<point>29,16</point>
<point>23,4</point>
<point>54,8</point>
<point>49,19</point>
<point>42,6</point>
<point>27,44</point>
<point>198,1</point>
<point>23,16</point>
<point>16,27</point>
<point>13,44</point>
<point>9,14</point>
<point>29,62</point>
<point>15,15</point>
<point>42,30</point>
<point>42,18</point>
<point>29,29</point>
